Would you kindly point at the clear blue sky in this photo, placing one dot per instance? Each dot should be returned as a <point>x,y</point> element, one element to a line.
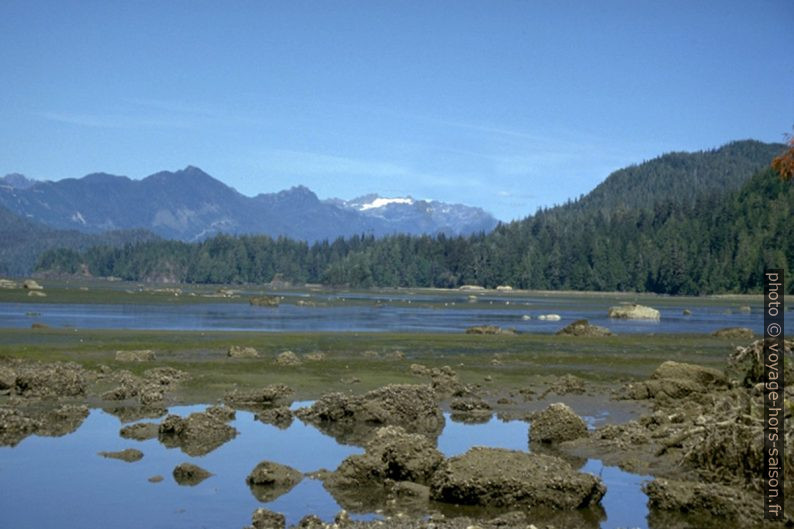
<point>507,105</point>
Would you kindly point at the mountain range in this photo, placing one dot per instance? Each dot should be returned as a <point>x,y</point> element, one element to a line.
<point>191,205</point>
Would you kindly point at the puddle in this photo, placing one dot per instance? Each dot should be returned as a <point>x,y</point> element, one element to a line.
<point>63,482</point>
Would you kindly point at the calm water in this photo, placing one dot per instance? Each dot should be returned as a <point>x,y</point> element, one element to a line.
<point>425,314</point>
<point>62,482</point>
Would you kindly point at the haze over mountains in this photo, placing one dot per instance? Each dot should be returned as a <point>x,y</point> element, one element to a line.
<point>191,205</point>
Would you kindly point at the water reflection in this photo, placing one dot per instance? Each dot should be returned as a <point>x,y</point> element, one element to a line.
<point>92,491</point>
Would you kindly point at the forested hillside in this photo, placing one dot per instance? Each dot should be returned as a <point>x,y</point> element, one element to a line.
<point>23,240</point>
<point>714,243</point>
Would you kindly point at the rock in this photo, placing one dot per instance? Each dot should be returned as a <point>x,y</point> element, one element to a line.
<point>474,405</point>
<point>197,434</point>
<point>142,355</point>
<point>443,380</point>
<point>189,474</point>
<point>58,379</point>
<point>317,356</point>
<point>288,358</point>
<point>270,480</point>
<point>634,312</point>
<point>141,431</point>
<point>8,284</point>
<point>311,521</point>
<point>504,288</point>
<point>413,407</point>
<point>710,500</point>
<point>676,380</point>
<point>556,424</point>
<point>686,312</point>
<point>267,397</point>
<point>264,301</point>
<point>583,328</point>
<point>166,376</point>
<point>8,378</point>
<point>30,284</point>
<point>489,329</point>
<point>38,325</point>
<point>706,376</point>
<point>526,317</point>
<point>17,424</point>
<point>565,385</point>
<point>265,519</point>
<point>155,479</point>
<point>36,294</point>
<point>745,309</point>
<point>238,351</point>
<point>222,412</point>
<point>391,454</point>
<point>550,317</point>
<point>130,455</point>
<point>280,417</point>
<point>746,364</point>
<point>469,288</point>
<point>741,333</point>
<point>494,477</point>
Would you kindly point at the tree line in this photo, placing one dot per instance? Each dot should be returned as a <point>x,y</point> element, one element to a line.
<point>714,244</point>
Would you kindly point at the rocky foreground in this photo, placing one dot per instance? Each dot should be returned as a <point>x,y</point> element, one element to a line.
<point>701,441</point>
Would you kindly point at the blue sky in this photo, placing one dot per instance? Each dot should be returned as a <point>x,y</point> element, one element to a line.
<point>507,105</point>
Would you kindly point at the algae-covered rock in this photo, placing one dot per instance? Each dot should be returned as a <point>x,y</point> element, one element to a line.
<point>197,434</point>
<point>190,474</point>
<point>742,333</point>
<point>584,328</point>
<point>353,417</point>
<point>391,454</point>
<point>556,424</point>
<point>270,480</point>
<point>494,477</point>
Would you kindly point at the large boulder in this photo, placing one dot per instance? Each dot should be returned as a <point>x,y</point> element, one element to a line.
<point>634,312</point>
<point>495,477</point>
<point>58,379</point>
<point>198,433</point>
<point>353,417</point>
<point>556,424</point>
<point>707,501</point>
<point>391,454</point>
<point>31,284</point>
<point>584,328</point>
<point>269,480</point>
<point>676,380</point>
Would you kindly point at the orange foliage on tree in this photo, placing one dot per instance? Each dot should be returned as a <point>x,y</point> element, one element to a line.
<point>784,164</point>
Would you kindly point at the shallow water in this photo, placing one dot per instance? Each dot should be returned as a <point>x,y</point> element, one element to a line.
<point>374,314</point>
<point>62,482</point>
